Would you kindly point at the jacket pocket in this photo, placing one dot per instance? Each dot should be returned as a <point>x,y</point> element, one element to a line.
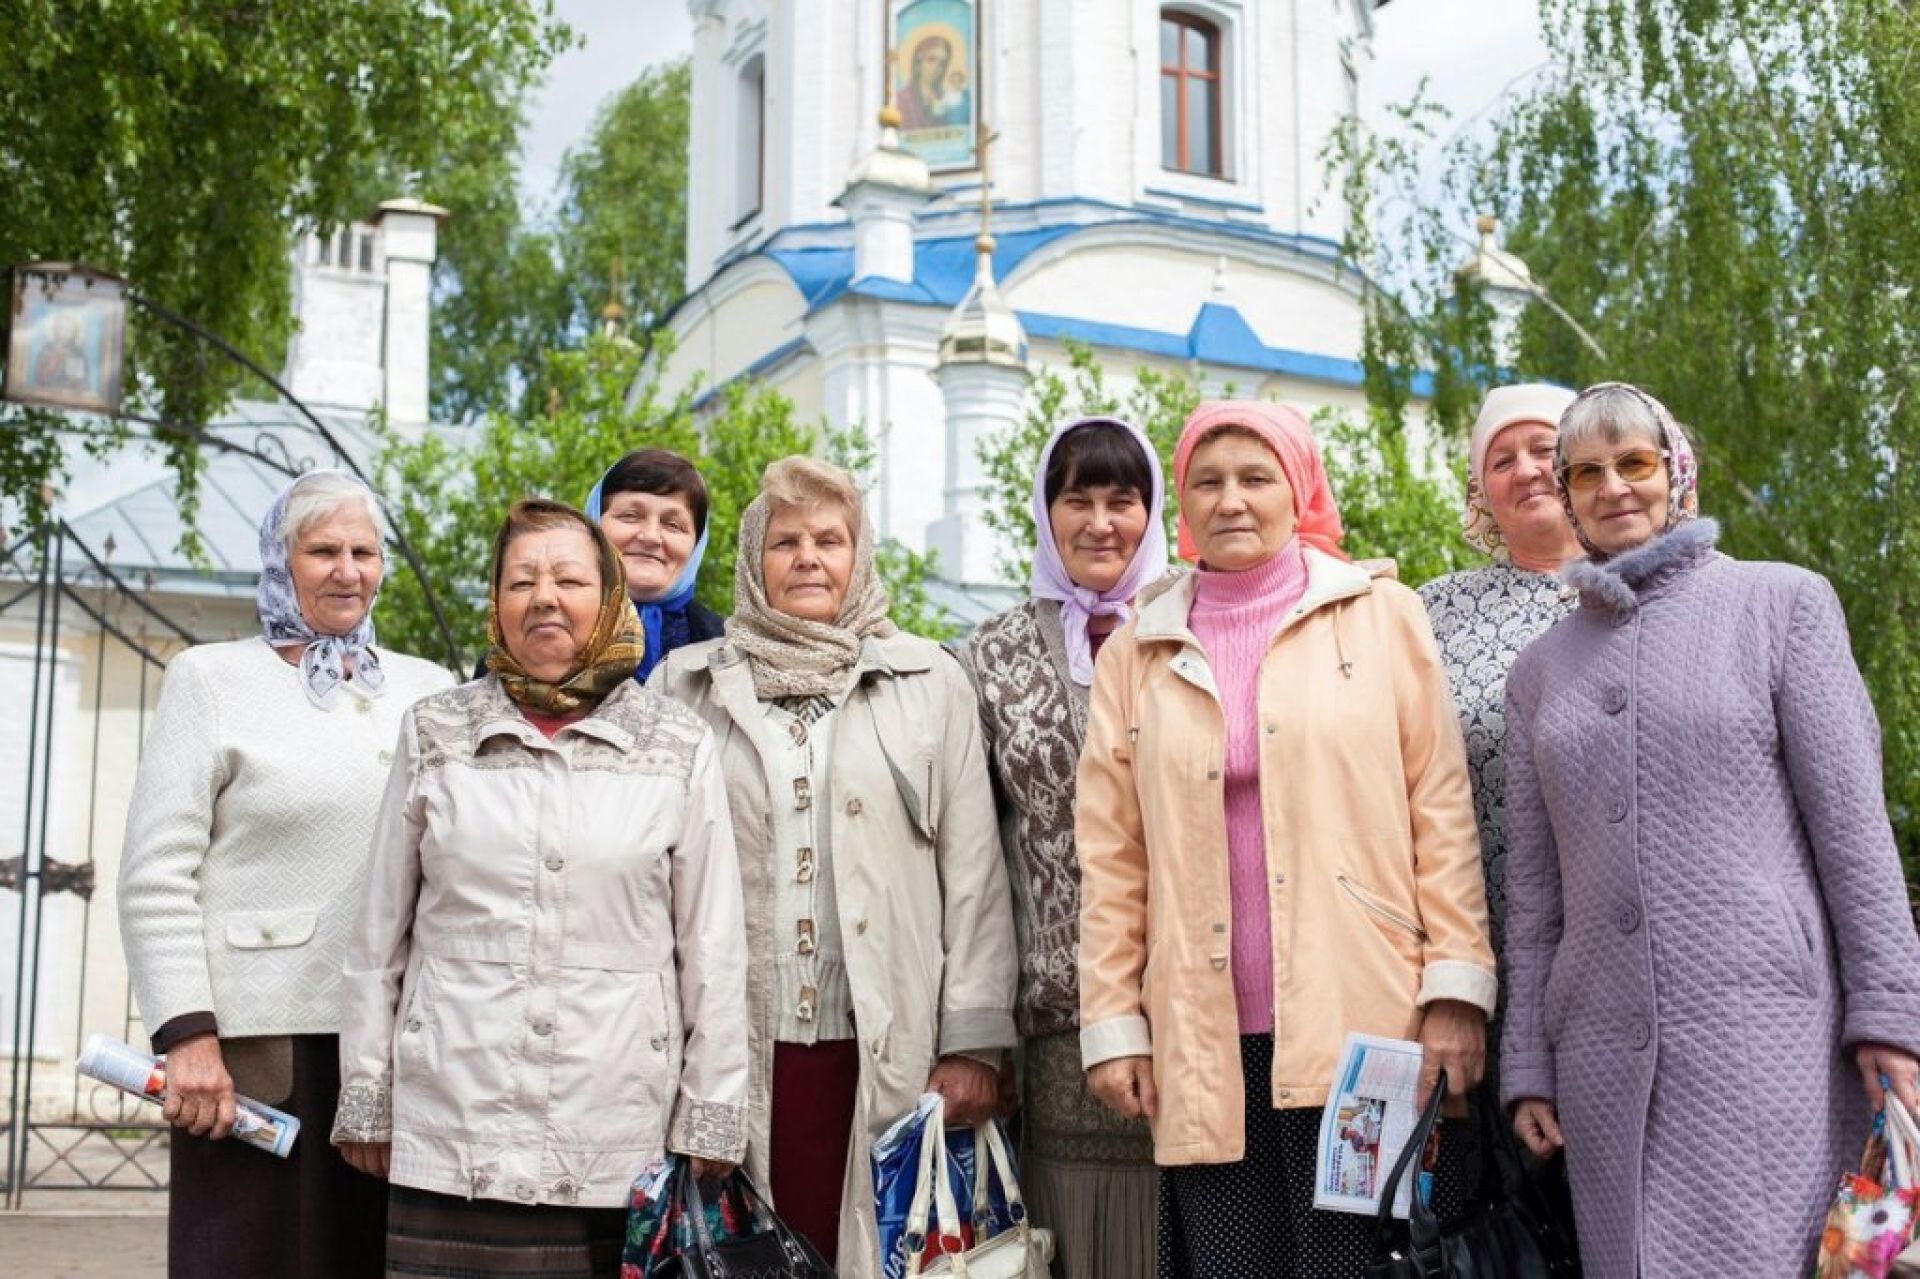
<point>1798,941</point>
<point>1383,913</point>
<point>270,929</point>
<point>410,1035</point>
<point>915,776</point>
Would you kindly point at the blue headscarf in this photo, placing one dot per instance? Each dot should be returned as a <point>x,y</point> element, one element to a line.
<point>653,613</point>
<point>323,663</point>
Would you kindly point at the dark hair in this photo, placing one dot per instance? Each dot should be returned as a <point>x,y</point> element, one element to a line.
<point>539,515</point>
<point>1096,454</point>
<point>662,473</point>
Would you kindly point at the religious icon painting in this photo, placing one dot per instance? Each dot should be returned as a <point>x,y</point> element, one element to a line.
<point>935,82</point>
<point>65,334</point>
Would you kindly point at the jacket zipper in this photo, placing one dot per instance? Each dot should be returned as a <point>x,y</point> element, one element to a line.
<point>1392,916</point>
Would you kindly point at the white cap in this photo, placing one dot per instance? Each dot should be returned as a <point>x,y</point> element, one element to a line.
<point>1507,406</point>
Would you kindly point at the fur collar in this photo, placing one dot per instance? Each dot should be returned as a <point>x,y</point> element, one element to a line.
<point>1616,584</point>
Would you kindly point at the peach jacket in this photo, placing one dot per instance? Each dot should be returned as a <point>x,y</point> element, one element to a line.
<point>1378,905</point>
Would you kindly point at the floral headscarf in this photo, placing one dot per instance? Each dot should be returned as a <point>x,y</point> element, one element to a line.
<point>1683,473</point>
<point>608,659</point>
<point>323,663</point>
<point>791,656</point>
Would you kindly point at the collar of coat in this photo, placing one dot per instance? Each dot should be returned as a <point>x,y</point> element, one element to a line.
<point>1619,584</point>
<point>895,654</point>
<point>614,720</point>
<point>1329,579</point>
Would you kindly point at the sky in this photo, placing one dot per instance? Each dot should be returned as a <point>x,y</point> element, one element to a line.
<point>1472,50</point>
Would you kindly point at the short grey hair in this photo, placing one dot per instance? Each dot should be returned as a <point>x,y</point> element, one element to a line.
<point>1610,411</point>
<point>318,494</point>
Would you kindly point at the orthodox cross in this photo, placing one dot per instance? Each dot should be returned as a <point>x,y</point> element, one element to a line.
<point>984,139</point>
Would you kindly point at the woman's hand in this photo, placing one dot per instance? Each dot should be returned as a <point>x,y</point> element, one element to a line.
<point>1125,1084</point>
<point>970,1087</point>
<point>199,1090</point>
<point>1453,1036</point>
<point>710,1169</point>
<point>1899,1067</point>
<point>371,1157</point>
<point>1537,1125</point>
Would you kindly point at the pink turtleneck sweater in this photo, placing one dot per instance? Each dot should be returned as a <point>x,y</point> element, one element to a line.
<point>1234,616</point>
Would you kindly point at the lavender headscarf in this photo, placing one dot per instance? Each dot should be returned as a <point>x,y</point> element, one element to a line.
<point>323,664</point>
<point>1079,605</point>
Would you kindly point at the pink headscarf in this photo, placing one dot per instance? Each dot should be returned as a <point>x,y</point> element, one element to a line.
<point>1285,431</point>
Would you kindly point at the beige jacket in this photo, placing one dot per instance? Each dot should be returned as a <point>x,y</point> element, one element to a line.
<point>925,913</point>
<point>547,985</point>
<point>1377,902</point>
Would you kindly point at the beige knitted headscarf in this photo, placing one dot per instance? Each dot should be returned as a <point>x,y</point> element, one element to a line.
<point>791,656</point>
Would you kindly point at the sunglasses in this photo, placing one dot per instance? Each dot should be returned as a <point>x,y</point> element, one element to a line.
<point>1633,466</point>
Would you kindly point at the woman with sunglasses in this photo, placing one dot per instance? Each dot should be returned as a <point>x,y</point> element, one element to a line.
<point>1711,961</point>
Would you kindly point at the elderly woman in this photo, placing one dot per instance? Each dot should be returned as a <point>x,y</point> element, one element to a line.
<point>1097,497</point>
<point>246,842</point>
<point>879,927</point>
<point>1712,958</point>
<point>652,505</point>
<point>1277,847</point>
<point>1483,617</point>
<point>546,986</point>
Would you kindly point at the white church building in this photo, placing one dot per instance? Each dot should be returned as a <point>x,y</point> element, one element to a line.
<point>1156,194</point>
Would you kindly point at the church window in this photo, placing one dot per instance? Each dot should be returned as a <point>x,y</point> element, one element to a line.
<point>345,257</point>
<point>1190,76</point>
<point>366,253</point>
<point>750,141</point>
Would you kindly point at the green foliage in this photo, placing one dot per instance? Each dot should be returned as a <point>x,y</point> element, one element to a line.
<point>510,288</point>
<point>448,489</point>
<point>1717,202</point>
<point>1391,502</point>
<point>180,142</point>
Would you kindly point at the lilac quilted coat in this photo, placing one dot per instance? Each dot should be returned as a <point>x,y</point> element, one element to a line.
<point>1705,907</point>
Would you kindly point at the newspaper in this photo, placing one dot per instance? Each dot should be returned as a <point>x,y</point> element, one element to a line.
<point>1369,1116</point>
<point>130,1070</point>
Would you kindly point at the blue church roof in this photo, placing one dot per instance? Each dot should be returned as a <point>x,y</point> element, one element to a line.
<point>943,270</point>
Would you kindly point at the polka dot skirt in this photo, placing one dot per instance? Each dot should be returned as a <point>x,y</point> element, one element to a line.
<point>1256,1217</point>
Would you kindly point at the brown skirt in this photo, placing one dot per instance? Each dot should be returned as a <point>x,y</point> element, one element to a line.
<point>449,1237</point>
<point>234,1212</point>
<point>1088,1175</point>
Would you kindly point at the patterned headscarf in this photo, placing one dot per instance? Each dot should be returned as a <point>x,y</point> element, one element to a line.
<point>1683,473</point>
<point>679,594</point>
<point>1051,581</point>
<point>1504,406</point>
<point>606,661</point>
<point>323,663</point>
<point>1286,432</point>
<point>791,656</point>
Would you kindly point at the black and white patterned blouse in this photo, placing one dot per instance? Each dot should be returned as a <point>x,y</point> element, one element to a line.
<point>1482,618</point>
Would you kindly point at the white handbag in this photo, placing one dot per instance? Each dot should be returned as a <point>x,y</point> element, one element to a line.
<point>1021,1252</point>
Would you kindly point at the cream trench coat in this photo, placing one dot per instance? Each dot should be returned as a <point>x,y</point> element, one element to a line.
<point>926,917</point>
<point>1376,899</point>
<point>546,984</point>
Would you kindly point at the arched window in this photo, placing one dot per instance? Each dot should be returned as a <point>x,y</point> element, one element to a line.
<point>750,139</point>
<point>1190,96</point>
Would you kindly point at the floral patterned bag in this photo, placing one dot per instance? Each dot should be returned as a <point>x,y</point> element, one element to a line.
<point>1876,1211</point>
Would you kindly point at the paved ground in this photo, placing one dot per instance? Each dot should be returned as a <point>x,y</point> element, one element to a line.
<point>36,1245</point>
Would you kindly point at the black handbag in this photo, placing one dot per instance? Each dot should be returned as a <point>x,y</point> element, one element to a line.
<point>773,1251</point>
<point>1509,1231</point>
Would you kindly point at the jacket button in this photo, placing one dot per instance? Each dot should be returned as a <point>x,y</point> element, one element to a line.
<point>860,927</point>
<point>1639,1034</point>
<point>266,936</point>
<point>853,807</point>
<point>1628,918</point>
<point>555,863</point>
<point>1286,1094</point>
<point>1615,700</point>
<point>413,1023</point>
<point>1617,809</point>
<point>1272,728</point>
<point>543,1027</point>
<point>659,1043</point>
<point>523,1192</point>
